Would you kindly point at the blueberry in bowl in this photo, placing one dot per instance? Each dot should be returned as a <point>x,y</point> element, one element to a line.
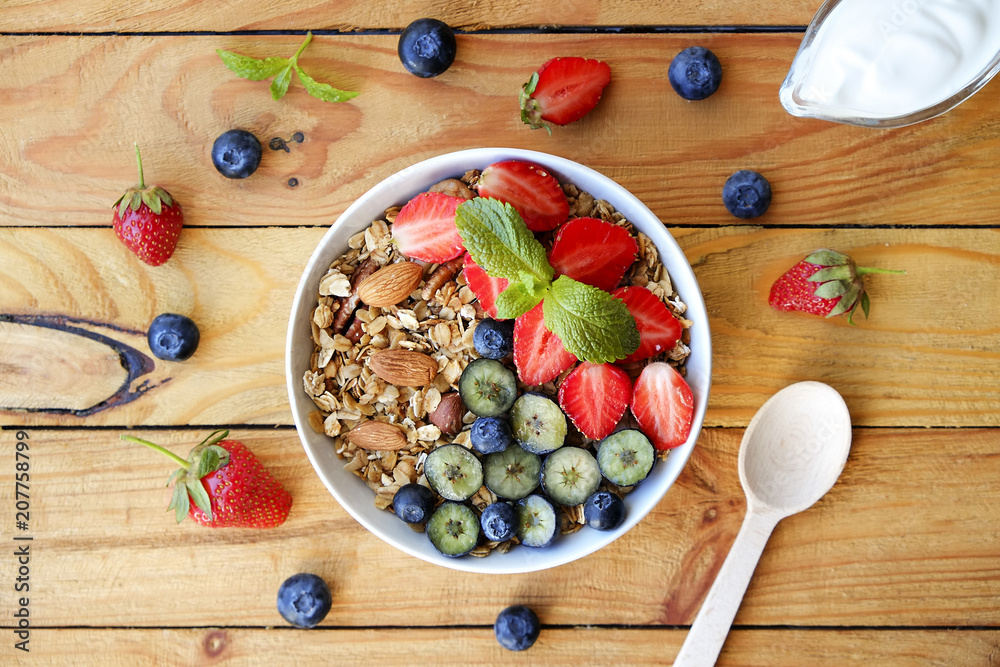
<point>695,73</point>
<point>413,503</point>
<point>236,154</point>
<point>494,339</point>
<point>427,47</point>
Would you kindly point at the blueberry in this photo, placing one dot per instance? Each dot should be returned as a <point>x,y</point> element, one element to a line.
<point>604,510</point>
<point>173,337</point>
<point>746,194</point>
<point>499,521</point>
<point>494,339</point>
<point>413,503</point>
<point>490,435</point>
<point>304,600</point>
<point>236,154</point>
<point>695,73</point>
<point>516,628</point>
<point>427,47</point>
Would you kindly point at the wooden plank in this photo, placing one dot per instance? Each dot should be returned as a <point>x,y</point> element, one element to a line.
<point>162,15</point>
<point>928,355</point>
<point>907,538</point>
<point>476,646</point>
<point>74,105</point>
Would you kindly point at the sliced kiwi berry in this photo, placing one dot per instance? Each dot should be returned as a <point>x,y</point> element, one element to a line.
<point>512,473</point>
<point>454,472</point>
<point>453,529</point>
<point>487,387</point>
<point>569,475</point>
<point>537,423</point>
<point>626,457</point>
<point>537,521</point>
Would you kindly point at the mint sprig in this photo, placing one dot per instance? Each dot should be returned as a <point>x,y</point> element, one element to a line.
<point>592,325</point>
<point>279,70</point>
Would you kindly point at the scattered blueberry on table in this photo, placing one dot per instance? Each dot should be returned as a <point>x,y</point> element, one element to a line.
<point>746,194</point>
<point>304,600</point>
<point>427,47</point>
<point>173,337</point>
<point>236,154</point>
<point>695,73</point>
<point>517,627</point>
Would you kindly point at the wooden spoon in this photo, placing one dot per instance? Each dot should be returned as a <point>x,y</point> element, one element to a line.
<point>792,453</point>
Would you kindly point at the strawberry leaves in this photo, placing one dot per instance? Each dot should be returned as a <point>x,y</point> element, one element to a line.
<point>279,70</point>
<point>207,457</point>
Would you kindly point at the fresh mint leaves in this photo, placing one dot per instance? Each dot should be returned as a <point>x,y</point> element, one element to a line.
<point>493,232</point>
<point>280,71</point>
<point>591,323</point>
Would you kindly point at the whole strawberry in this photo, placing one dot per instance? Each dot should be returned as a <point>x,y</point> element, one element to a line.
<point>228,483</point>
<point>148,220</point>
<point>826,283</point>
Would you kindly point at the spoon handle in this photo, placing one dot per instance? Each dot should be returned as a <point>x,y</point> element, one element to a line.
<point>710,628</point>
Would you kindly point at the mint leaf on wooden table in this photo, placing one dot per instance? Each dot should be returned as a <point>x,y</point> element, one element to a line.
<point>280,71</point>
<point>592,324</point>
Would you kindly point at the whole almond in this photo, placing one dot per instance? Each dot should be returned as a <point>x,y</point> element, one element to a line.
<point>403,368</point>
<point>377,435</point>
<point>390,284</point>
<point>449,414</point>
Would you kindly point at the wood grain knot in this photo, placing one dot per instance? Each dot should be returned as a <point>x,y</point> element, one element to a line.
<point>215,643</point>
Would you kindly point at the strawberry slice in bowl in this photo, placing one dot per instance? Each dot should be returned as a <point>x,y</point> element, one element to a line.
<point>483,285</point>
<point>539,355</point>
<point>530,189</point>
<point>663,404</point>
<point>424,229</point>
<point>594,397</point>
<point>659,330</point>
<point>593,251</point>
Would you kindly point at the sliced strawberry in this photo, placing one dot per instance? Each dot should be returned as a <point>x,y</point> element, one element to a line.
<point>483,285</point>
<point>658,329</point>
<point>530,189</point>
<point>563,90</point>
<point>425,228</point>
<point>595,396</point>
<point>593,251</point>
<point>663,405</point>
<point>539,355</point>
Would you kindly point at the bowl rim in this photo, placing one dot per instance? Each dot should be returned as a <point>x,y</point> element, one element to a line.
<point>399,188</point>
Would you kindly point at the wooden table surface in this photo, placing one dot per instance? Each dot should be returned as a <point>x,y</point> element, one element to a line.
<point>898,565</point>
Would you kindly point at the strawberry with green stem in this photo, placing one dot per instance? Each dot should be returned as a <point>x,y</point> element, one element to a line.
<point>148,220</point>
<point>229,485</point>
<point>826,283</point>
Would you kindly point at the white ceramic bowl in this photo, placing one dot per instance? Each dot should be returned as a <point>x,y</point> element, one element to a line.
<point>352,493</point>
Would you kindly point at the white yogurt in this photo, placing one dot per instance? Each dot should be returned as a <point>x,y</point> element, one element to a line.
<point>881,59</point>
